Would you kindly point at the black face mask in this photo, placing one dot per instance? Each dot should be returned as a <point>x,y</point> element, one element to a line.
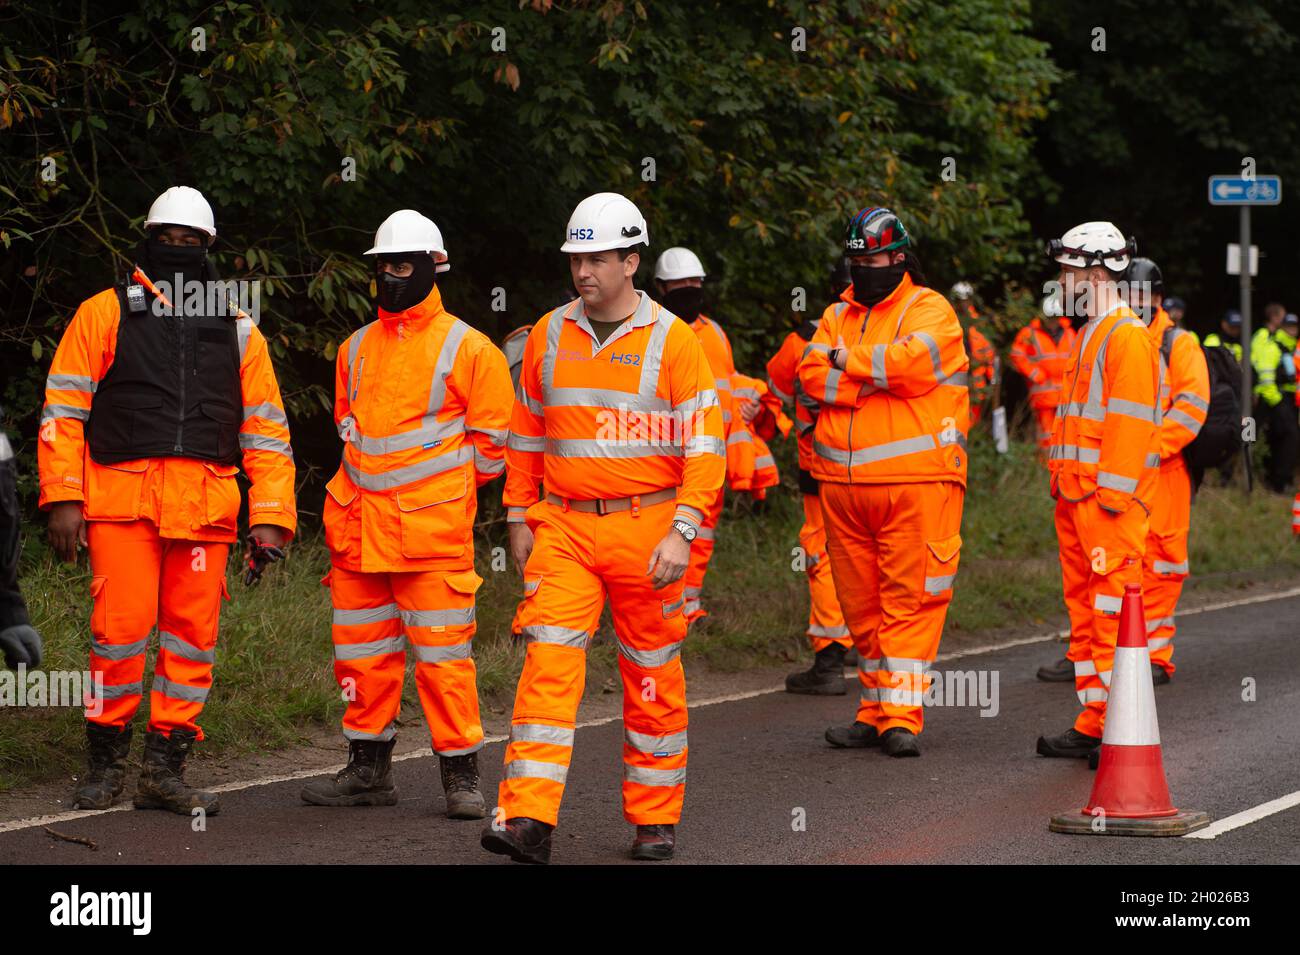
<point>685,302</point>
<point>163,262</point>
<point>398,294</point>
<point>873,285</point>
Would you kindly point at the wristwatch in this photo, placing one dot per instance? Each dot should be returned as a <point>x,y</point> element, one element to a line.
<point>686,529</point>
<point>834,357</point>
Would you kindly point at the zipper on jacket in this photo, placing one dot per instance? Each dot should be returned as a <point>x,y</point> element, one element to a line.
<point>852,411</point>
<point>180,367</point>
<point>361,367</point>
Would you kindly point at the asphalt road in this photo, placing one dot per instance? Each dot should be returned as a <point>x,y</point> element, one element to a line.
<point>978,794</point>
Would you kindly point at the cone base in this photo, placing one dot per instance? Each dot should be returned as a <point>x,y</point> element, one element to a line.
<point>1180,823</point>
<point>1130,783</point>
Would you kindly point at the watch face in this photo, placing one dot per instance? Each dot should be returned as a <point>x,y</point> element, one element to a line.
<point>686,530</point>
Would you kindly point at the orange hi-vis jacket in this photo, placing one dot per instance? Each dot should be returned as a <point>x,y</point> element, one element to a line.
<point>899,411</point>
<point>717,348</point>
<point>1107,424</point>
<point>185,498</point>
<point>983,363</point>
<point>1042,361</point>
<point>783,381</point>
<point>750,465</point>
<point>635,414</point>
<point>1184,389</point>
<point>422,402</point>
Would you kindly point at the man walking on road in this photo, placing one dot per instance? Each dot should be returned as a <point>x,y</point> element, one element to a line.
<point>617,414</point>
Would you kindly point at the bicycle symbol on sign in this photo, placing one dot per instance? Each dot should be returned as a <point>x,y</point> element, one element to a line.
<point>1262,191</point>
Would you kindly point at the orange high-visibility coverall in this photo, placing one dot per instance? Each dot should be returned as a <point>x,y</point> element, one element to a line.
<point>635,418</point>
<point>983,365</point>
<point>889,449</point>
<point>1042,363</point>
<point>160,528</point>
<point>717,349</point>
<point>1184,401</point>
<point>422,402</point>
<point>1103,462</point>
<point>825,619</point>
<point>750,465</point>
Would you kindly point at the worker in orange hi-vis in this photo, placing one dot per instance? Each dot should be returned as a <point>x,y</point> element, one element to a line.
<point>679,279</point>
<point>827,631</point>
<point>1103,460</point>
<point>1039,353</point>
<point>160,389</point>
<point>617,415</point>
<point>422,402</point>
<point>889,454</point>
<point>985,366</point>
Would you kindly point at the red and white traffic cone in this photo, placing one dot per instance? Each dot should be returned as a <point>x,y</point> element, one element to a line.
<point>1295,516</point>
<point>1130,796</point>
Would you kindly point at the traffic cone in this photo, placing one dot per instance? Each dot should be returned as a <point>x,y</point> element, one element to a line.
<point>1130,796</point>
<point>1295,516</point>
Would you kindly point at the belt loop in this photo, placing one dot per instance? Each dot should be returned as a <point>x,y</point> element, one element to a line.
<point>601,509</point>
<point>636,505</point>
<point>566,504</point>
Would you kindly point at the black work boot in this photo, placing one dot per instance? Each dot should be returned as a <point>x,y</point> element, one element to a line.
<point>460,783</point>
<point>1062,671</point>
<point>1159,675</point>
<point>106,751</point>
<point>367,779</point>
<point>825,678</point>
<point>654,843</point>
<point>161,785</point>
<point>851,657</point>
<point>1069,745</point>
<point>522,839</point>
<point>899,741</point>
<point>857,736</point>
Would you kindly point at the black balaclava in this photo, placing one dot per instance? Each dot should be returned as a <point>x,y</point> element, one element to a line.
<point>398,294</point>
<point>685,302</point>
<point>872,284</point>
<point>162,262</point>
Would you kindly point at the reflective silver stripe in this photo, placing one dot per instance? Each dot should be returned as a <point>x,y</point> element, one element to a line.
<point>606,398</point>
<point>179,691</point>
<point>704,444</point>
<point>866,665</point>
<point>1116,482</point>
<point>816,346</point>
<point>1152,460</point>
<point>486,465</point>
<point>425,436</point>
<point>705,534</point>
<point>1184,419</point>
<point>243,329</point>
<point>71,383</point>
<point>764,461</point>
<point>693,591</point>
<point>363,615</point>
<point>833,381</point>
<point>739,437</point>
<point>1167,567</point>
<point>266,410</point>
<point>496,435</point>
<point>669,745</point>
<point>1043,389</point>
<point>686,511</point>
<point>817,630</point>
<point>536,769</point>
<point>454,617</point>
<point>526,442</point>
<point>937,585</point>
<point>262,442</point>
<point>443,654</point>
<point>1158,622</point>
<point>748,394</point>
<point>1196,401</point>
<point>1084,668</point>
<point>387,480</point>
<point>1071,452</point>
<point>118,651</point>
<point>1094,694</point>
<point>383,736</point>
<point>564,636</point>
<point>541,733</point>
<point>960,379</point>
<point>601,448</point>
<point>702,400</point>
<point>722,384</point>
<point>1105,676</point>
<point>651,658</point>
<point>115,691</point>
<point>531,403</point>
<point>894,449</point>
<point>643,776</point>
<point>1132,409</point>
<point>931,344</point>
<point>892,695</point>
<point>370,648</point>
<point>1107,604</point>
<point>903,664</point>
<point>785,398</point>
<point>50,412</point>
<point>1159,642</point>
<point>515,515</point>
<point>878,375</point>
<point>175,645</point>
<point>353,348</point>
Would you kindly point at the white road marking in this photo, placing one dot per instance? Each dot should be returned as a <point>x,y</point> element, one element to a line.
<point>34,821</point>
<point>1246,817</point>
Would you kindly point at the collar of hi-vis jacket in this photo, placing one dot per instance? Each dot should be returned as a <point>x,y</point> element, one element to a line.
<point>644,314</point>
<point>905,287</point>
<point>417,316</point>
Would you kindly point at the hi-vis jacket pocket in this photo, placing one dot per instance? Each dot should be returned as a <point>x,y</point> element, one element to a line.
<point>113,490</point>
<point>342,519</point>
<point>433,518</point>
<point>941,557</point>
<point>672,608</point>
<point>220,495</point>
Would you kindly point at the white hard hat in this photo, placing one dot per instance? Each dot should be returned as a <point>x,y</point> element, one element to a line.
<point>181,205</point>
<point>678,263</point>
<point>1052,306</point>
<point>962,290</point>
<point>408,231</point>
<point>605,221</point>
<point>1093,243</point>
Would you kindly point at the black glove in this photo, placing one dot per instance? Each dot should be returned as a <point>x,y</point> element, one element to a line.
<point>21,644</point>
<point>259,556</point>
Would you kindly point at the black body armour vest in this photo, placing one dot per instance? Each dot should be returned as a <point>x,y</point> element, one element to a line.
<point>173,389</point>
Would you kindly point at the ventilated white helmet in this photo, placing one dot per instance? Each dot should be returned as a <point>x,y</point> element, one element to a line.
<point>678,263</point>
<point>182,205</point>
<point>1052,306</point>
<point>1093,243</point>
<point>408,231</point>
<point>962,291</point>
<point>605,221</point>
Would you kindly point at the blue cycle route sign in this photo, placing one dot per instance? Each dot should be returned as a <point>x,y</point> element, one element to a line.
<point>1233,190</point>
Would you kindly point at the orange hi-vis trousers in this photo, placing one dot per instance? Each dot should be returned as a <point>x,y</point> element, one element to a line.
<point>376,615</point>
<point>701,552</point>
<point>825,619</point>
<point>894,550</point>
<point>1164,567</point>
<point>1045,420</point>
<point>578,559</point>
<point>1100,553</point>
<point>140,580</point>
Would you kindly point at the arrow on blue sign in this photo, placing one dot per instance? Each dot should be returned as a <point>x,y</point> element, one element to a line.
<point>1236,191</point>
